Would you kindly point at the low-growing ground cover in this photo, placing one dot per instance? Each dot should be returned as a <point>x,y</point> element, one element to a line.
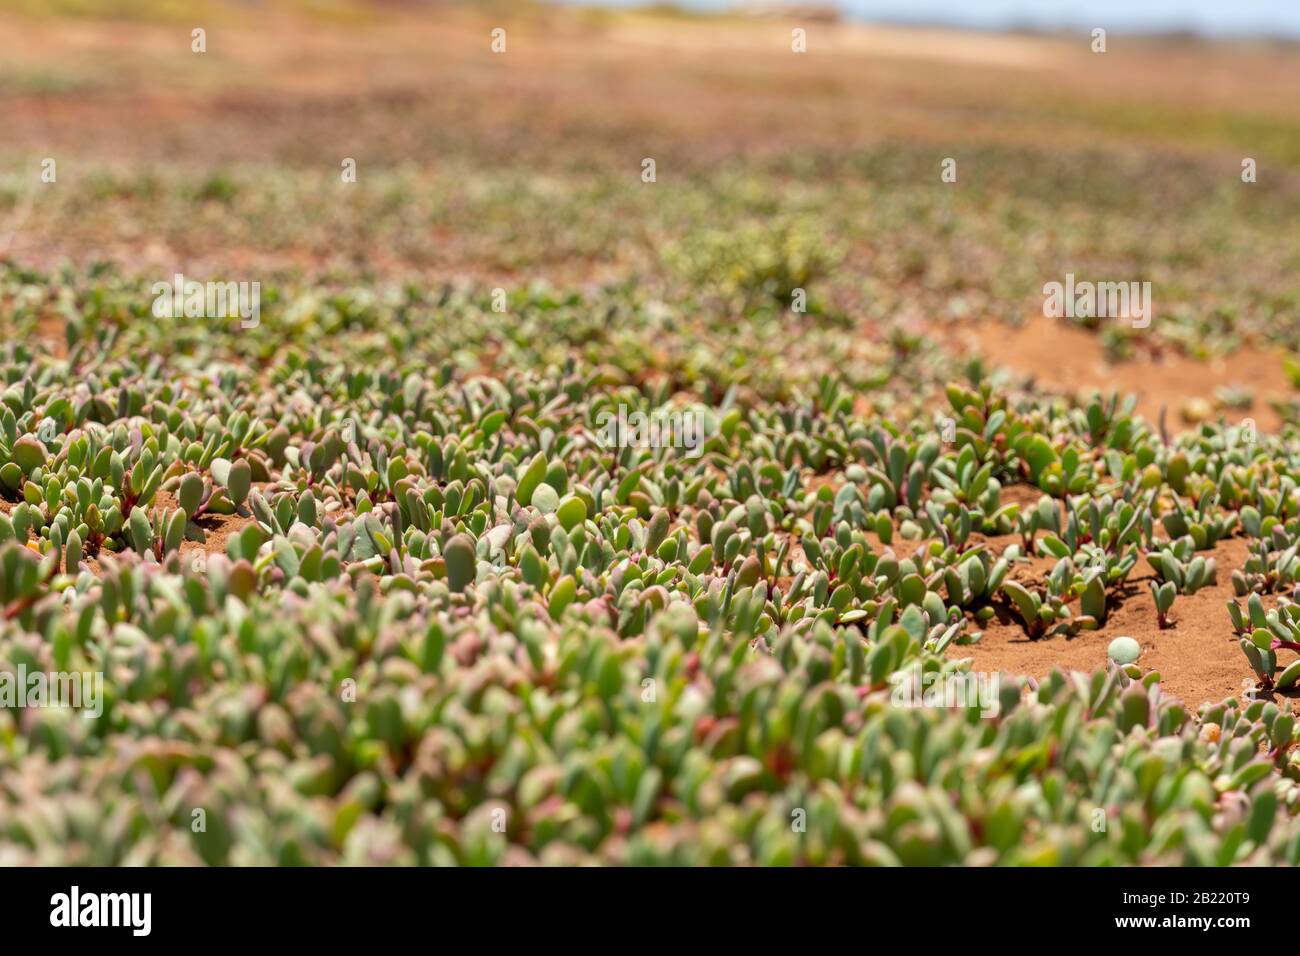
<point>370,579</point>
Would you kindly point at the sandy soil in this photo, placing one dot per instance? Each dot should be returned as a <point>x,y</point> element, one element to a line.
<point>1060,357</point>
<point>1197,657</point>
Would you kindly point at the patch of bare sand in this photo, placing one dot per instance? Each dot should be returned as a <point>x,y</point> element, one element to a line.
<point>217,529</point>
<point>1071,360</point>
<point>1198,658</point>
<point>1026,496</point>
<point>875,41</point>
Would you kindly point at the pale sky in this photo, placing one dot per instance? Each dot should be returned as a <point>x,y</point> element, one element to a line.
<point>1213,17</point>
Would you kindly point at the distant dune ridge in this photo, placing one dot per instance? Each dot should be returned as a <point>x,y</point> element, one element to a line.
<point>809,12</point>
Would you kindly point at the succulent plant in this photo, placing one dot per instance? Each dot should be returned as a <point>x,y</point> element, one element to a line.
<point>975,581</point>
<point>1163,595</point>
<point>1045,614</point>
<point>458,554</point>
<point>1202,525</point>
<point>1272,565</point>
<point>1177,565</point>
<point>1123,650</point>
<point>1030,521</point>
<point>361,594</point>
